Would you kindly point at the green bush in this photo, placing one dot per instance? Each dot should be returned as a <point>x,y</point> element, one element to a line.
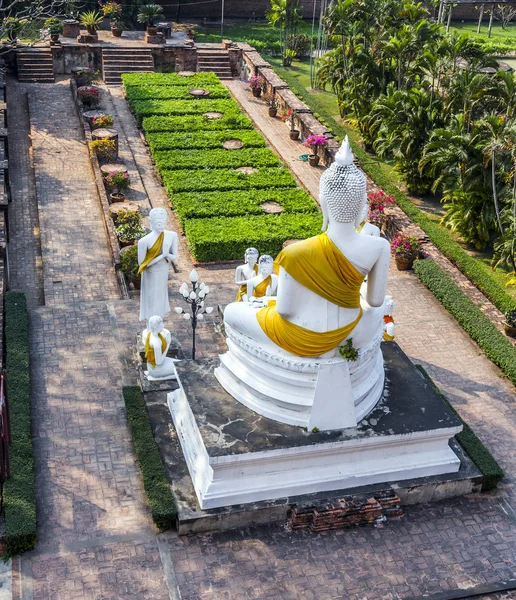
<point>146,108</point>
<point>225,179</point>
<point>239,203</point>
<point>495,345</point>
<point>169,79</point>
<point>226,238</point>
<point>155,482</point>
<point>203,139</point>
<point>195,123</point>
<point>167,160</point>
<point>19,489</point>
<point>173,92</point>
<point>439,236</point>
<point>491,471</point>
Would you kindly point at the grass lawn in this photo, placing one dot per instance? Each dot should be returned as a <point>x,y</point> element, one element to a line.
<point>244,31</point>
<point>497,33</point>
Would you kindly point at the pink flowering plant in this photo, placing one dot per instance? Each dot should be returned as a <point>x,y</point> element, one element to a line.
<point>118,180</point>
<point>256,82</point>
<point>314,142</point>
<point>405,247</point>
<point>378,201</point>
<point>89,95</point>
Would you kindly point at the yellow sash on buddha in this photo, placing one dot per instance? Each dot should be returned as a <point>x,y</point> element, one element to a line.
<point>360,227</point>
<point>149,350</point>
<point>261,288</point>
<point>243,288</point>
<point>387,337</point>
<point>153,252</point>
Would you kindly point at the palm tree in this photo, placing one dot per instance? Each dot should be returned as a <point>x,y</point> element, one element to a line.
<point>285,15</point>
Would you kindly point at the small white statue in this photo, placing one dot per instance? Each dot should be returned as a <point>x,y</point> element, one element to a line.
<point>246,272</point>
<point>156,251</point>
<point>265,284</point>
<point>157,342</point>
<point>365,227</point>
<point>388,327</point>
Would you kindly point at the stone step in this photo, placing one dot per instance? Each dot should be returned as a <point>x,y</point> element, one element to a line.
<point>108,69</point>
<point>126,51</point>
<point>124,63</point>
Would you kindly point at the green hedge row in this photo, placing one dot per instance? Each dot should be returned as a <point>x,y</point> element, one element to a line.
<point>202,205</point>
<point>19,489</point>
<point>491,471</point>
<point>439,236</point>
<point>174,92</point>
<point>157,488</point>
<point>146,108</point>
<point>195,123</point>
<point>203,139</point>
<point>169,160</point>
<point>169,79</point>
<point>494,344</point>
<point>225,179</point>
<point>226,238</point>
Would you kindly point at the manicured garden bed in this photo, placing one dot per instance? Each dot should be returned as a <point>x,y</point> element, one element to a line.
<point>226,199</point>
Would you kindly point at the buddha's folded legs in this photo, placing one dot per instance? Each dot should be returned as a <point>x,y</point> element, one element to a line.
<point>241,317</point>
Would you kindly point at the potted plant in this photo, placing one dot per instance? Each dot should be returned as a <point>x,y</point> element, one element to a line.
<point>113,10</point>
<point>378,201</point>
<point>510,323</point>
<point>271,101</point>
<point>91,20</point>
<point>54,26</point>
<point>294,133</point>
<point>13,26</point>
<point>405,250</point>
<point>130,266</point>
<point>103,122</point>
<point>313,142</point>
<point>85,76</point>
<point>118,181</point>
<point>130,231</point>
<point>148,15</point>
<point>256,85</point>
<point>89,95</point>
<point>104,149</point>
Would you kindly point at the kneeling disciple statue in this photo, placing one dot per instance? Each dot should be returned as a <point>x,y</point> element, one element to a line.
<point>265,284</point>
<point>246,272</point>
<point>157,341</point>
<point>318,307</point>
<point>156,251</point>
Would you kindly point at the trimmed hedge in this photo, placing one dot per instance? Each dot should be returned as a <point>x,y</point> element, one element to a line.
<point>234,204</point>
<point>157,488</point>
<point>174,92</point>
<point>195,123</point>
<point>494,344</point>
<point>226,238</point>
<point>439,236</point>
<point>167,160</point>
<point>491,471</point>
<point>225,179</point>
<point>19,489</point>
<point>169,79</point>
<point>145,108</point>
<point>203,139</point>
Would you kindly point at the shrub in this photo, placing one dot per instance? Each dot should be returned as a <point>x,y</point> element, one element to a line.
<point>104,148</point>
<point>196,123</point>
<point>215,159</point>
<point>129,262</point>
<point>155,483</point>
<point>169,79</point>
<point>54,26</point>
<point>102,122</point>
<point>226,238</point>
<point>495,345</point>
<point>405,247</point>
<point>240,203</point>
<point>203,139</point>
<point>19,489</point>
<point>86,76</point>
<point>145,108</point>
<point>118,180</point>
<point>130,231</point>
<point>225,179</point>
<point>175,92</point>
<point>256,82</point>
<point>89,95</point>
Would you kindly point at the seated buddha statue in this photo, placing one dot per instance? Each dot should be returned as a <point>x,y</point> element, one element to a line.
<point>318,304</point>
<point>265,283</point>
<point>365,227</point>
<point>245,272</point>
<point>157,341</point>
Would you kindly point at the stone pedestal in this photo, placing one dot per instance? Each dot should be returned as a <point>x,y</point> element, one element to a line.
<point>71,28</point>
<point>154,38</point>
<point>87,38</point>
<point>110,134</point>
<point>236,456</point>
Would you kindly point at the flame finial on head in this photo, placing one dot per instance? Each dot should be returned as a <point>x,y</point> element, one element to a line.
<point>344,156</point>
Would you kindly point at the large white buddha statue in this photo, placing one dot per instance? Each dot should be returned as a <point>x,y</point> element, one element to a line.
<point>283,359</point>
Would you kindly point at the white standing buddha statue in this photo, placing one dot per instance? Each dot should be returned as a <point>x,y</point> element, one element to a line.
<point>244,273</point>
<point>283,359</point>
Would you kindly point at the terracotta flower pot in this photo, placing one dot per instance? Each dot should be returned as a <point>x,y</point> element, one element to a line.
<point>116,197</point>
<point>404,264</point>
<point>54,38</point>
<point>91,29</point>
<point>116,31</point>
<point>272,111</point>
<point>152,30</point>
<point>313,160</point>
<point>294,134</point>
<point>510,330</point>
<point>257,92</point>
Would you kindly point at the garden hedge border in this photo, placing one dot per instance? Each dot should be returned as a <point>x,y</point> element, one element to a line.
<point>494,344</point>
<point>485,462</point>
<point>157,488</point>
<point>439,237</point>
<point>20,488</point>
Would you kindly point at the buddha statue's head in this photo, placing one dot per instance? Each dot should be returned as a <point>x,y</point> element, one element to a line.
<point>251,256</point>
<point>265,264</point>
<point>342,191</point>
<point>156,324</point>
<point>158,219</point>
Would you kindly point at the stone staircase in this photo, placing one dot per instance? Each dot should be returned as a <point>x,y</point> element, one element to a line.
<point>35,65</point>
<point>215,61</point>
<point>125,60</point>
